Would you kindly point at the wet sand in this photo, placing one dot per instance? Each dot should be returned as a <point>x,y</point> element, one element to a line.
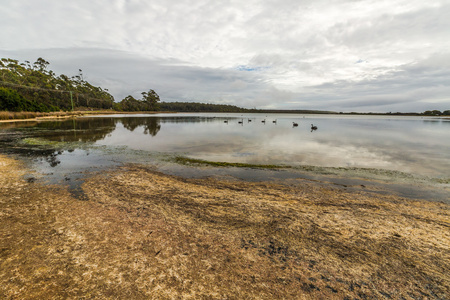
<point>136,233</point>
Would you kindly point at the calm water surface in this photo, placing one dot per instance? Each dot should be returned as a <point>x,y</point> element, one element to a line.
<point>405,144</point>
<point>414,145</point>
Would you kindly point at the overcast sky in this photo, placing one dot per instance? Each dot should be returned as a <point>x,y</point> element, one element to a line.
<point>340,55</point>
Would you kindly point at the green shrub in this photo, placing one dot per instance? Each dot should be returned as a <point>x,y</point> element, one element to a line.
<point>11,100</point>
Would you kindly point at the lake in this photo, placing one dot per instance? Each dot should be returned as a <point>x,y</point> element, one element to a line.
<point>346,144</point>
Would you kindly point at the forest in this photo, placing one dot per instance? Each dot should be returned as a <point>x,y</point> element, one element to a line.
<point>34,87</point>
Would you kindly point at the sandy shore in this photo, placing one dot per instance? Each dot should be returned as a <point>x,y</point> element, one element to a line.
<point>16,116</point>
<point>140,234</point>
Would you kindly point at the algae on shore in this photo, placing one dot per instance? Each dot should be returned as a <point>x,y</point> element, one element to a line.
<point>142,234</point>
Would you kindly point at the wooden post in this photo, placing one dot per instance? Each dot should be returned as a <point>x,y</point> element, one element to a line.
<point>71,99</point>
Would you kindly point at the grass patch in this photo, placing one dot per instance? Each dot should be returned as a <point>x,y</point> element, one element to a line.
<point>7,115</point>
<point>22,115</point>
<point>43,143</point>
<point>441,180</point>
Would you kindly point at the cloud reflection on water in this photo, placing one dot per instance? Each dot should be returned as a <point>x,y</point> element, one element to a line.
<point>395,143</point>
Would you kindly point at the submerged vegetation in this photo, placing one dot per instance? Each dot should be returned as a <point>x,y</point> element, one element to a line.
<point>364,173</point>
<point>186,160</point>
<point>43,142</point>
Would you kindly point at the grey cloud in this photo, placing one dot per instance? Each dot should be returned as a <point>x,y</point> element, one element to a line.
<point>390,29</point>
<point>413,87</point>
<point>124,73</point>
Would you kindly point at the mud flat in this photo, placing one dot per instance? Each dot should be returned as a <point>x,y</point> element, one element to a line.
<point>136,233</point>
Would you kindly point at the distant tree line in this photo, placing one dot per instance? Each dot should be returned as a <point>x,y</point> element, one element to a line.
<point>436,113</point>
<point>208,107</point>
<point>201,107</point>
<point>426,113</point>
<point>149,102</point>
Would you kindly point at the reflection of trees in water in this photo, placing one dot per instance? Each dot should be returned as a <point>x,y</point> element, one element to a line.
<point>79,130</point>
<point>151,125</point>
<point>94,129</point>
<point>75,130</point>
<point>49,155</point>
<point>53,160</point>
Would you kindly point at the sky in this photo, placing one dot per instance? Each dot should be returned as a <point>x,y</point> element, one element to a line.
<point>338,55</point>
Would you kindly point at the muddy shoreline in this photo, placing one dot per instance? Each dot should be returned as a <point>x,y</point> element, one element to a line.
<point>140,234</point>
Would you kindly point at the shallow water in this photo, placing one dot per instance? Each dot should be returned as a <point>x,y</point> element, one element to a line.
<point>407,145</point>
<point>414,145</point>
